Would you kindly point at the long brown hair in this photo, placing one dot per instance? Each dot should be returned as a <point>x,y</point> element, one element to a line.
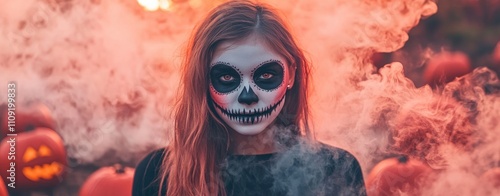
<point>201,139</point>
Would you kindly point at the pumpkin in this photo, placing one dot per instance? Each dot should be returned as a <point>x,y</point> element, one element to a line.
<point>115,180</point>
<point>496,56</point>
<point>27,117</point>
<point>445,67</point>
<point>395,175</point>
<point>39,159</point>
<point>3,189</point>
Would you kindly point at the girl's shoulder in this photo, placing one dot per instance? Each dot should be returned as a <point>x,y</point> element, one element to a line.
<point>148,173</point>
<point>335,153</point>
<point>152,160</point>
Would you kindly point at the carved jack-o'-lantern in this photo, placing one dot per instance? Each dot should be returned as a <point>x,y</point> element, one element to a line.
<point>25,117</point>
<point>40,159</point>
<point>3,189</point>
<point>116,180</point>
<point>395,175</point>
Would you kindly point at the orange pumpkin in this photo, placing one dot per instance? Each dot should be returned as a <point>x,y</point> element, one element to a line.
<point>399,174</point>
<point>496,56</point>
<point>116,180</point>
<point>39,159</point>
<point>26,117</point>
<point>445,67</point>
<point>3,189</point>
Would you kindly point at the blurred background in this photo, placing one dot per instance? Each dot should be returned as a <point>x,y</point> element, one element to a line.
<point>410,87</point>
<point>470,27</point>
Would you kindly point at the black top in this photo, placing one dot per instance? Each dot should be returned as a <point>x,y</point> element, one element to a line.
<point>301,170</point>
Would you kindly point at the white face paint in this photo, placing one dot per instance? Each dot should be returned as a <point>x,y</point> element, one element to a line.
<point>248,82</point>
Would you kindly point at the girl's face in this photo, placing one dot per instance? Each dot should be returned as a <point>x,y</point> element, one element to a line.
<point>248,82</point>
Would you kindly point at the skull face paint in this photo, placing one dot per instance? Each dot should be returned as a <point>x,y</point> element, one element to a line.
<point>248,82</point>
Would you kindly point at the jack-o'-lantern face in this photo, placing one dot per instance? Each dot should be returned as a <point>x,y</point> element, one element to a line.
<point>47,170</point>
<point>40,158</point>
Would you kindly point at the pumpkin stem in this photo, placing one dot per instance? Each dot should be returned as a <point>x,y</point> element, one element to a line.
<point>119,169</point>
<point>403,159</point>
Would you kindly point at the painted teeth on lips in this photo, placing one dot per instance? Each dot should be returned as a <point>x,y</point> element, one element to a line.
<point>244,112</point>
<point>249,116</point>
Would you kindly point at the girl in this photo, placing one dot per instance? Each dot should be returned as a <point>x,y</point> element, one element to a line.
<point>241,122</point>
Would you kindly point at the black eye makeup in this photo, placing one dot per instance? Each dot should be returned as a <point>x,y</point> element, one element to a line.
<point>224,77</point>
<point>269,75</point>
